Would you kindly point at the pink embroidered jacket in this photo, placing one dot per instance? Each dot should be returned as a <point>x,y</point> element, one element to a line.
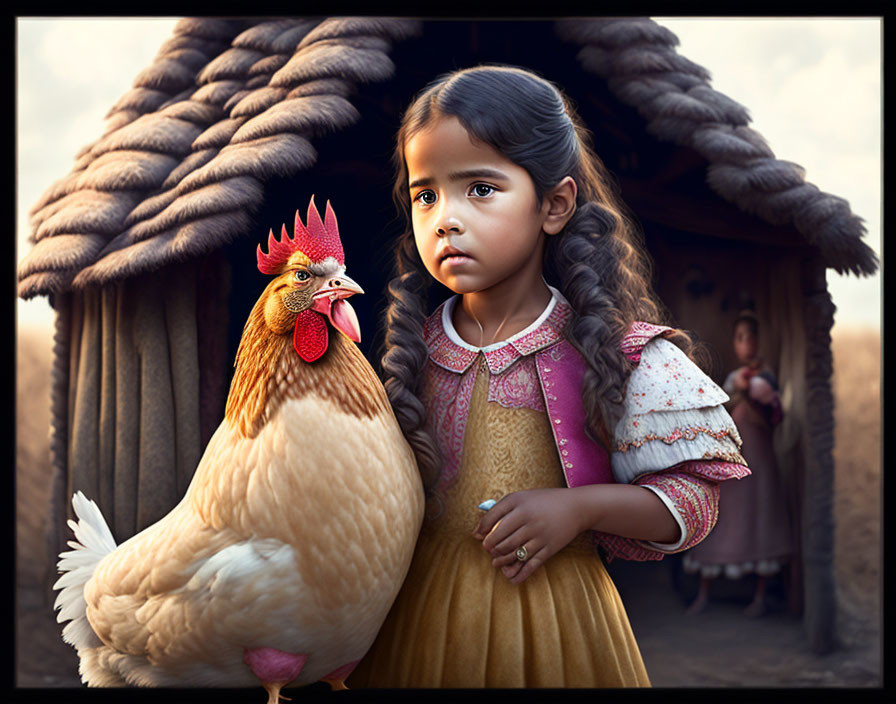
<point>539,368</point>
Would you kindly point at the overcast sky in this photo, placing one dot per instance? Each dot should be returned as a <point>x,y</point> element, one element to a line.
<point>812,86</point>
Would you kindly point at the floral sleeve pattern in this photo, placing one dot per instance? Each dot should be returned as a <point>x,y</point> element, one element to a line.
<point>675,439</point>
<point>673,413</point>
<point>692,489</point>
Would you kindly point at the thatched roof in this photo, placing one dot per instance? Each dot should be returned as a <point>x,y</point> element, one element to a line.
<point>229,104</point>
<point>638,59</point>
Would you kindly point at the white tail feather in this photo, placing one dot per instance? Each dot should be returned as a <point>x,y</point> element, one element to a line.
<point>95,541</point>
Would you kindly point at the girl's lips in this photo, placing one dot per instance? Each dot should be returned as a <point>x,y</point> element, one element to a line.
<point>455,259</point>
<point>450,255</point>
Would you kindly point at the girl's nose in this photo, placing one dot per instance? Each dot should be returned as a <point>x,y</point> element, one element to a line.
<point>449,226</point>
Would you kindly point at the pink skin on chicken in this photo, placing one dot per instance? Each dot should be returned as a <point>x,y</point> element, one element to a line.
<point>274,668</point>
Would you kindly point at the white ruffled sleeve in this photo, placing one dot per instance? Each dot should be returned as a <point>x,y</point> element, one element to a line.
<point>673,414</point>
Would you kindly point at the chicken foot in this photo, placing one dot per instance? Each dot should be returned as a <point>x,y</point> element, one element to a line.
<point>273,690</point>
<point>275,668</point>
<point>336,679</point>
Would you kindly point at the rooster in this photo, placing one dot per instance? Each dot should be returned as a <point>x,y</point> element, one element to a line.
<point>281,561</point>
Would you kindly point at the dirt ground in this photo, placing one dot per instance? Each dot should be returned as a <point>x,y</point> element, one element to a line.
<point>718,648</point>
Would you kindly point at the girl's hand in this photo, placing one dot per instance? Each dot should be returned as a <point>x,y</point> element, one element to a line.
<point>762,391</point>
<point>742,379</point>
<point>543,520</point>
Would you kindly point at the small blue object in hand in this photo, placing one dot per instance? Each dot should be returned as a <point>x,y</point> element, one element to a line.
<point>486,505</point>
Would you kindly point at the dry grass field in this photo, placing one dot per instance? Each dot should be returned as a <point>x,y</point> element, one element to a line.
<point>723,648</point>
<point>32,446</point>
<point>859,496</point>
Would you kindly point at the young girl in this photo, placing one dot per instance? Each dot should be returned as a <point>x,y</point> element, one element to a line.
<point>753,532</point>
<point>522,392</point>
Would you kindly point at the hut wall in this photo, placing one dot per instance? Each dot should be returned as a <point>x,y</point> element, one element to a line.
<point>818,517</point>
<point>57,532</point>
<point>786,314</point>
<point>146,387</point>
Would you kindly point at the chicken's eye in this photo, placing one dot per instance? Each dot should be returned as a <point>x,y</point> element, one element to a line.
<point>302,275</point>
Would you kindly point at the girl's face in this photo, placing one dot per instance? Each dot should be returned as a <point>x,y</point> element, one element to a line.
<point>476,219</point>
<point>746,344</point>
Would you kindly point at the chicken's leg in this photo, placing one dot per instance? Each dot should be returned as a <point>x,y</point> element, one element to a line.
<point>275,668</point>
<point>273,690</point>
<point>337,678</point>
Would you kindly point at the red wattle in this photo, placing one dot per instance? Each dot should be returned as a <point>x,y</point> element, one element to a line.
<point>310,335</point>
<point>344,319</point>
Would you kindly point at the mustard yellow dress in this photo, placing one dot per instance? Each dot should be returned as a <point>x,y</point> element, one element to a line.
<point>458,622</point>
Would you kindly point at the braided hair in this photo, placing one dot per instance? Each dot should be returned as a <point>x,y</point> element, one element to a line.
<point>598,260</point>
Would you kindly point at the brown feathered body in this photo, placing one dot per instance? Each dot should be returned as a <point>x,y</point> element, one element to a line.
<point>295,533</point>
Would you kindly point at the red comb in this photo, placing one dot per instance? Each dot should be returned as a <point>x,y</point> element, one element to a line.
<point>318,240</point>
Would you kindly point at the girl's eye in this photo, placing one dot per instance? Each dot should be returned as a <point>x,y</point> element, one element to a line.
<point>482,190</point>
<point>426,197</point>
<point>302,275</point>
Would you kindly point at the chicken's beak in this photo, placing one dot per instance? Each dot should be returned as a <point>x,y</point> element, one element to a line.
<point>330,300</point>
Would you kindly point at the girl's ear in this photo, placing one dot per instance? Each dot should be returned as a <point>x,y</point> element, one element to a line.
<point>561,204</point>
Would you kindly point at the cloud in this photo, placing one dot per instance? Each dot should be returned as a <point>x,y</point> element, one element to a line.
<point>81,67</point>
<point>90,54</point>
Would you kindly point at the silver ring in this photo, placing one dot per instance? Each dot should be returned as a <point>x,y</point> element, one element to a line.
<point>522,554</point>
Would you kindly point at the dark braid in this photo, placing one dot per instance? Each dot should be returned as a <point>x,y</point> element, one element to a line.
<point>605,279</point>
<point>406,355</point>
<point>597,324</point>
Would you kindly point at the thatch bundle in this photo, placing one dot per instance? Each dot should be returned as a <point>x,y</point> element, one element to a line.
<point>226,106</point>
<point>638,59</point>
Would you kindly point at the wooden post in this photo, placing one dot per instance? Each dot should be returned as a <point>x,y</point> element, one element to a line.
<point>818,490</point>
<point>57,530</point>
